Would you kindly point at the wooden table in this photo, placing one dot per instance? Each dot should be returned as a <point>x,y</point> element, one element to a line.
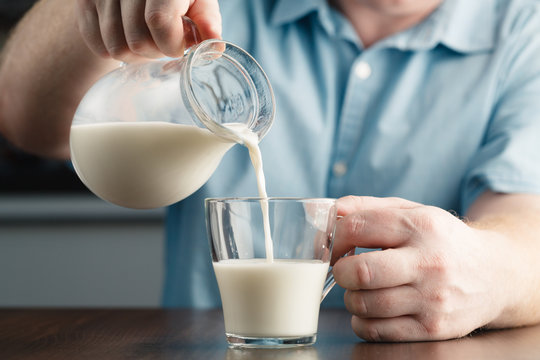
<point>187,334</point>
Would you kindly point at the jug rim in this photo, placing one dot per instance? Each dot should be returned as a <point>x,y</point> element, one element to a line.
<point>256,79</point>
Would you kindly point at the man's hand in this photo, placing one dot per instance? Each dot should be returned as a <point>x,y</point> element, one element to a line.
<point>129,30</point>
<point>434,278</point>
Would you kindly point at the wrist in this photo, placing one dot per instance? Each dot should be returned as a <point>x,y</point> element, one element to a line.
<point>508,265</point>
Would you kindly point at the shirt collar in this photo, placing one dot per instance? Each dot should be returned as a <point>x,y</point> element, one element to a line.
<point>465,30</point>
<point>287,11</point>
<point>333,22</point>
<point>455,24</point>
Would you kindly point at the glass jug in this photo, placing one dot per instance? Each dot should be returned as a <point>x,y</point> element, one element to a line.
<point>149,135</point>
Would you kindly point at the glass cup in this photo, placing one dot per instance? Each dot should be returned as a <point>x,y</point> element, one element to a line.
<point>271,301</point>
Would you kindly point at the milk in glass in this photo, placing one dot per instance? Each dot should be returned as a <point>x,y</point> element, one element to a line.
<point>262,299</point>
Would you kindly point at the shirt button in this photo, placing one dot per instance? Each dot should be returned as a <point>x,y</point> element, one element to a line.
<point>339,169</point>
<point>363,70</point>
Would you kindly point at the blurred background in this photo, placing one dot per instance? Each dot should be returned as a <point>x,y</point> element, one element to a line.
<point>62,246</point>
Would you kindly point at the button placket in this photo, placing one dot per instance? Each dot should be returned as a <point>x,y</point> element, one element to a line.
<point>339,169</point>
<point>351,123</point>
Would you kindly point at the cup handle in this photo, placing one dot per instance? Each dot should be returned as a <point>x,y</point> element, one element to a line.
<point>330,282</point>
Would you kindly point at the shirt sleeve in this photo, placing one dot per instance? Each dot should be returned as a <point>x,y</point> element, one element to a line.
<point>508,160</point>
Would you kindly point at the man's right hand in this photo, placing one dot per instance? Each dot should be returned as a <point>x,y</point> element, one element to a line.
<point>129,30</point>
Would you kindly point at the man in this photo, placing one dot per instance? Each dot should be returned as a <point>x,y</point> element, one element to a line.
<point>426,100</point>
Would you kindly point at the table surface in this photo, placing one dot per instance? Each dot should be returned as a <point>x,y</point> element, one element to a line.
<point>199,334</point>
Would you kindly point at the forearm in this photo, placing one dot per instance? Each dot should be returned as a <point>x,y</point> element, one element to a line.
<point>512,222</point>
<point>45,70</point>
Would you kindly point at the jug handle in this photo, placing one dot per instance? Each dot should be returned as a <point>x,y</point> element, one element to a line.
<point>192,36</point>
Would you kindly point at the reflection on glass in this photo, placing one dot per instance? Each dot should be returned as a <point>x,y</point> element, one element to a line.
<point>303,353</point>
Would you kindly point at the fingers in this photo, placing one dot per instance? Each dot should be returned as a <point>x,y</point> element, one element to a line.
<point>373,228</point>
<point>370,222</point>
<point>138,38</point>
<point>112,32</point>
<point>384,303</point>
<point>403,328</point>
<point>376,269</point>
<point>164,21</point>
<point>206,15</point>
<point>408,328</point>
<point>129,30</point>
<point>413,289</point>
<point>349,204</point>
<point>88,24</point>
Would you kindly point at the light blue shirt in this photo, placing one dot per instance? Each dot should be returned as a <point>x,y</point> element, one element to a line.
<point>436,114</point>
